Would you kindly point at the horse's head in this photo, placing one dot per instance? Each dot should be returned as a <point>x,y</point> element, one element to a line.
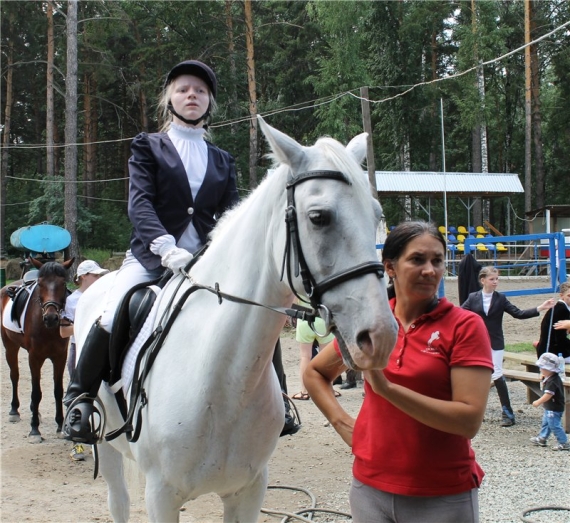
<point>332,220</point>
<point>52,290</point>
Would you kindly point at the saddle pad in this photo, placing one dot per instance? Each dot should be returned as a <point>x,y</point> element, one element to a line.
<point>7,313</point>
<point>130,360</point>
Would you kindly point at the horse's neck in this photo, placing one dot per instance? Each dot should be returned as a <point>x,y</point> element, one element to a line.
<point>245,258</point>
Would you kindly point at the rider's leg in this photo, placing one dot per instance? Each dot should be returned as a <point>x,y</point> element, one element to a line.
<point>93,363</point>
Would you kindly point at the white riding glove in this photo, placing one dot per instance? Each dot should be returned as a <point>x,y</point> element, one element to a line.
<point>176,259</point>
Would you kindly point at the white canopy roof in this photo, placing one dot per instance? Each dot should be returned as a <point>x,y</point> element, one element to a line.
<point>414,183</point>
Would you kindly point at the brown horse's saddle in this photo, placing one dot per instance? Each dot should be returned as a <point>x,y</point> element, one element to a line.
<point>20,295</point>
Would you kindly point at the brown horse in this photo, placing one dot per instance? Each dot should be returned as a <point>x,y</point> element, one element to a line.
<point>41,339</point>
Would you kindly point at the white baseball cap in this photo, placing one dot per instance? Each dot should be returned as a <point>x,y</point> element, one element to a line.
<point>549,361</point>
<point>89,267</point>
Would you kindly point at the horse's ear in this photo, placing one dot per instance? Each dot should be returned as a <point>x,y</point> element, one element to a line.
<point>285,149</point>
<point>67,264</point>
<point>35,262</point>
<point>357,147</point>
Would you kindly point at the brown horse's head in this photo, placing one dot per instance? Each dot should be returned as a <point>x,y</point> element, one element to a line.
<point>52,290</point>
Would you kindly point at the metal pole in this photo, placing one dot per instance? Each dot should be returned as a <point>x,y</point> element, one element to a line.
<point>442,291</point>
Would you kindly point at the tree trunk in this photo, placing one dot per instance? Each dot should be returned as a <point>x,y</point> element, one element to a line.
<point>252,95</point>
<point>90,139</point>
<point>232,90</point>
<point>537,123</point>
<point>50,160</point>
<point>6,133</point>
<point>71,131</point>
<point>528,115</point>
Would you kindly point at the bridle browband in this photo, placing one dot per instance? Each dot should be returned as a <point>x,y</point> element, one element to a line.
<point>313,290</point>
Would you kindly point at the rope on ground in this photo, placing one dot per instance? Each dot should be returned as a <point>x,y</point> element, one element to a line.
<point>528,511</point>
<point>299,515</point>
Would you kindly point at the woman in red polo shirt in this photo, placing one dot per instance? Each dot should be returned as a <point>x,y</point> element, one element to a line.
<point>411,440</point>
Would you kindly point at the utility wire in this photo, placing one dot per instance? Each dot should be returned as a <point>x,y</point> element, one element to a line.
<point>321,101</point>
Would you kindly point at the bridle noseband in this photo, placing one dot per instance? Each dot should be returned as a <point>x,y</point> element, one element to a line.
<point>293,258</point>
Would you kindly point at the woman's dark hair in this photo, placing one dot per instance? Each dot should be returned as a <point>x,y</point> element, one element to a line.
<point>403,234</point>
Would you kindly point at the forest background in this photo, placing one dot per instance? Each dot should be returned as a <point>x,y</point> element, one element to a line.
<point>80,79</point>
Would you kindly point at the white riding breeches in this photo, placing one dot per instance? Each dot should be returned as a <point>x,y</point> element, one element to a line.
<point>130,274</point>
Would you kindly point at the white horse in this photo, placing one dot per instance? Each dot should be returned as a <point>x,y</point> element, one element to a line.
<point>215,409</point>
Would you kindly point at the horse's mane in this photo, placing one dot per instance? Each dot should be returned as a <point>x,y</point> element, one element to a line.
<point>52,269</point>
<point>325,146</point>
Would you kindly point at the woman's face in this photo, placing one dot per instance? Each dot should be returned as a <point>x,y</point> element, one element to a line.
<point>419,269</point>
<point>190,98</point>
<point>490,282</point>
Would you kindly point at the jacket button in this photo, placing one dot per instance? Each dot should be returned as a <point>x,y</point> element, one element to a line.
<point>190,211</point>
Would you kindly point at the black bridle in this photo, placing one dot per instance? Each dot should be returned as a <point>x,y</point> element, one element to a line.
<point>294,260</point>
<point>46,305</point>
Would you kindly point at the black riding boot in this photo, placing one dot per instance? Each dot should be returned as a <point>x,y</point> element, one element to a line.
<point>503,392</point>
<point>350,380</point>
<point>91,368</point>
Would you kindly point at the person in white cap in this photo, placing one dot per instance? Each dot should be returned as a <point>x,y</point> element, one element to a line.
<point>552,400</point>
<point>88,272</point>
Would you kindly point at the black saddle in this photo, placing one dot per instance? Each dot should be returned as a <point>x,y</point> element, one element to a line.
<point>20,295</point>
<point>129,319</point>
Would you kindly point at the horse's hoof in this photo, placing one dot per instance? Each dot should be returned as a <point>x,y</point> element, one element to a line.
<point>35,439</point>
<point>60,434</point>
<point>14,418</point>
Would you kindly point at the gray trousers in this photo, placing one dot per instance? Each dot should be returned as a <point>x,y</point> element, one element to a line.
<point>369,505</point>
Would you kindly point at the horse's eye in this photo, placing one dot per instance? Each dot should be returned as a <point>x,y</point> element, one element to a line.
<point>320,218</point>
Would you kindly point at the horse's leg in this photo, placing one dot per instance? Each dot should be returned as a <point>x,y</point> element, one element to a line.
<point>111,466</point>
<point>36,370</point>
<point>58,370</point>
<point>245,506</point>
<point>163,502</point>
<point>12,351</point>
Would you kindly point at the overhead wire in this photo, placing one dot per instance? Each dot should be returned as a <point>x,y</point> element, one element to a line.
<point>311,104</point>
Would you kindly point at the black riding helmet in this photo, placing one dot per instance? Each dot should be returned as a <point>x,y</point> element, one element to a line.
<point>202,71</point>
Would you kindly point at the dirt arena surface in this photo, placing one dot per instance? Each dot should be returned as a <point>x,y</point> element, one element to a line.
<point>40,483</point>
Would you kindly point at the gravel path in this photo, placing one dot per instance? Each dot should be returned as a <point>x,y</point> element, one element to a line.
<point>518,474</point>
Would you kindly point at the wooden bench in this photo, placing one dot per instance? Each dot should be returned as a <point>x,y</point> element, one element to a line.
<point>532,381</point>
<point>528,360</point>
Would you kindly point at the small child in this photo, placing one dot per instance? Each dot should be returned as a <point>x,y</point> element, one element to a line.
<point>552,400</point>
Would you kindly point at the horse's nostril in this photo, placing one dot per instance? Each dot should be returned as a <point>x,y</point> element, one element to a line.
<point>363,340</point>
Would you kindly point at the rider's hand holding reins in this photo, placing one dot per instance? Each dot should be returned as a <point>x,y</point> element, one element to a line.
<point>176,259</point>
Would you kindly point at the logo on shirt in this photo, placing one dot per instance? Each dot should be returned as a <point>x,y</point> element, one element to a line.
<point>429,348</point>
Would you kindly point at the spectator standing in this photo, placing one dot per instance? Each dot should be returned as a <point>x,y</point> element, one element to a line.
<point>491,306</point>
<point>551,339</point>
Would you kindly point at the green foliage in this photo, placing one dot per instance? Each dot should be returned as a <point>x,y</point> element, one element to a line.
<point>98,255</point>
<point>311,58</point>
<point>520,347</point>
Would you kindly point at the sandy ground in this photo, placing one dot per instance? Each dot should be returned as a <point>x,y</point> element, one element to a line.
<point>40,483</point>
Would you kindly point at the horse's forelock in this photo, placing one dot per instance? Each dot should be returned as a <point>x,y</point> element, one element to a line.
<point>343,160</point>
<point>52,269</point>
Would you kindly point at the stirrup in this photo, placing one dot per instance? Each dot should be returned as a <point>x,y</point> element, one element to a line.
<point>84,422</point>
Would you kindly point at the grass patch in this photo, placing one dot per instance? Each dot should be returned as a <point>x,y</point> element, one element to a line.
<point>520,347</point>
<point>98,255</point>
